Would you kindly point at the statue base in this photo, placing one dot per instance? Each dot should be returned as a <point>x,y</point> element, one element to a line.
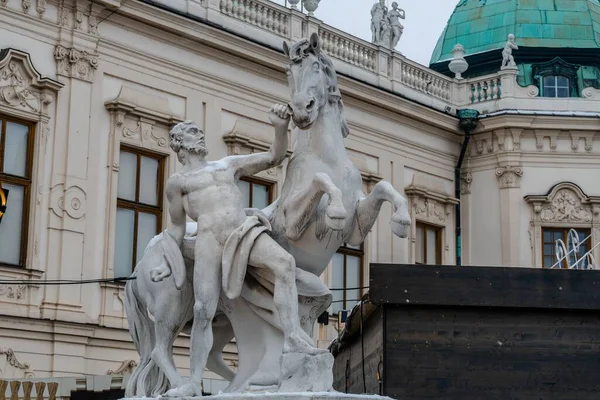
<point>282,396</point>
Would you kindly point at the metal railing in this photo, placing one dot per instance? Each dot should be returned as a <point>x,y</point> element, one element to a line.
<point>569,253</point>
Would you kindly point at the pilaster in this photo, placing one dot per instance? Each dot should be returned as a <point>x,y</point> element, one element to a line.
<point>509,174</point>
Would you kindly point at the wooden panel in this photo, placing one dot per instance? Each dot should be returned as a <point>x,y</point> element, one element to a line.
<point>484,286</point>
<point>349,360</point>
<point>474,353</point>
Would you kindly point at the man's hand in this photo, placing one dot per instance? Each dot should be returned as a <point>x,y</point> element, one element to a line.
<point>279,116</point>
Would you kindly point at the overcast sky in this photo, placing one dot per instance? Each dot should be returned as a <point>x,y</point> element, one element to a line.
<point>425,21</point>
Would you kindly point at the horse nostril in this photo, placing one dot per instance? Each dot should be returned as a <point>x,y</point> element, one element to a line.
<point>310,105</point>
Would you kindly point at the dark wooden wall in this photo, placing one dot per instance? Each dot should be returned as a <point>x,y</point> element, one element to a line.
<point>472,333</point>
<point>349,359</point>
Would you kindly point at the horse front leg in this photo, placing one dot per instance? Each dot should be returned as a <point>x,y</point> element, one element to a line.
<point>300,206</point>
<point>368,209</point>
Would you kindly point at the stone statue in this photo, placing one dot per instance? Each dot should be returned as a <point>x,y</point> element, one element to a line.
<point>322,206</point>
<point>508,61</point>
<point>394,16</point>
<point>227,240</point>
<point>378,15</point>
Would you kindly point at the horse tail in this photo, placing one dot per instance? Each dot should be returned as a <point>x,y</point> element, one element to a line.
<point>141,329</point>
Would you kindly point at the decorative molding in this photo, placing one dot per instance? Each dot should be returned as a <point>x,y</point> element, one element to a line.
<point>26,4</point>
<point>3,3</point>
<point>509,177</point>
<point>78,20</point>
<point>71,201</point>
<point>11,360</point>
<point>466,179</point>
<point>92,25</point>
<point>41,7</point>
<point>564,206</point>
<point>74,63</point>
<point>126,368</point>
<point>22,86</point>
<point>13,291</point>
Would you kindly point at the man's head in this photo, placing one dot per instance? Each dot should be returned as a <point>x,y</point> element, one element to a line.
<point>382,2</point>
<point>187,136</point>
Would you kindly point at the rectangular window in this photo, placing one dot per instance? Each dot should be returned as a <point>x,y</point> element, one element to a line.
<point>549,238</point>
<point>429,244</point>
<point>16,161</point>
<point>347,277</point>
<point>256,192</point>
<point>139,206</point>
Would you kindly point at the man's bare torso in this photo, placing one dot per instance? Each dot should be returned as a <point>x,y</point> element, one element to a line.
<point>211,194</point>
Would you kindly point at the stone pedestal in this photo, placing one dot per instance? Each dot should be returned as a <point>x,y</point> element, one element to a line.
<point>283,396</point>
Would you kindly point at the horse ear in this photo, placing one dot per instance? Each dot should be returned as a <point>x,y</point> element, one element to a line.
<point>315,42</point>
<point>286,48</point>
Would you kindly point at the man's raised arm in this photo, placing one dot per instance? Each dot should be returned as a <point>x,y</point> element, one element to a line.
<point>251,164</point>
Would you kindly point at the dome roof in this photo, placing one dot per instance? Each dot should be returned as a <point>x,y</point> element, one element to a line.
<point>483,25</point>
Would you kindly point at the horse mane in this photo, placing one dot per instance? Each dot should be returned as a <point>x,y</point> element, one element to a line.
<point>301,50</point>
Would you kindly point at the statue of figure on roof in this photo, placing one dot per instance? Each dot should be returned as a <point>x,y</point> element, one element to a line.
<point>395,15</point>
<point>508,61</point>
<point>378,16</point>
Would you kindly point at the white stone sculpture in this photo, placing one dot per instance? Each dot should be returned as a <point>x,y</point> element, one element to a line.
<point>321,206</point>
<point>458,65</point>
<point>508,61</point>
<point>378,15</point>
<point>385,26</point>
<point>395,15</point>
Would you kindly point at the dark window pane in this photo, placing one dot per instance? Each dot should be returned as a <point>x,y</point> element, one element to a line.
<point>562,92</point>
<point>11,224</point>
<point>147,229</point>
<point>15,149</point>
<point>548,249</point>
<point>127,176</point>
<point>549,81</point>
<point>337,281</point>
<point>547,236</point>
<point>260,196</point>
<point>549,92</point>
<point>562,81</point>
<point>124,242</point>
<point>149,181</point>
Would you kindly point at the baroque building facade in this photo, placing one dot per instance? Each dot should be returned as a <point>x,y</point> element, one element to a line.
<point>90,90</point>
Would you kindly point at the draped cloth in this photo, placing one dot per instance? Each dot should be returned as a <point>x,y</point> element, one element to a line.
<point>236,253</point>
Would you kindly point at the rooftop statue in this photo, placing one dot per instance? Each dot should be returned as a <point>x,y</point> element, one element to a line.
<point>385,26</point>
<point>508,61</point>
<point>321,206</point>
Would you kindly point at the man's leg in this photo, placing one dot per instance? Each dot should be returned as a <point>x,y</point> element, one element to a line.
<point>266,253</point>
<point>207,286</point>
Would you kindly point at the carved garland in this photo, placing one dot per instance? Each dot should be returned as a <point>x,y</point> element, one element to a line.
<point>564,206</point>
<point>12,360</point>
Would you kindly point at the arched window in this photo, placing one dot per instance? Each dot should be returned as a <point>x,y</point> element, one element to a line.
<point>556,86</point>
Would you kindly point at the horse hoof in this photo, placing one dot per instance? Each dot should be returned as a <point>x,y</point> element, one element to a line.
<point>335,219</point>
<point>186,390</point>
<point>400,226</point>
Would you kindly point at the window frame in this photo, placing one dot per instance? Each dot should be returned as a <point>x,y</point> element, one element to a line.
<point>565,239</point>
<point>556,86</point>
<point>259,181</point>
<point>25,182</point>
<point>137,206</point>
<point>439,231</point>
<point>346,251</point>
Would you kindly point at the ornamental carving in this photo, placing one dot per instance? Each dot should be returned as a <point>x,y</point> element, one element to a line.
<point>126,368</point>
<point>75,63</point>
<point>14,291</point>
<point>509,177</point>
<point>565,204</point>
<point>466,179</point>
<point>11,361</point>
<point>22,86</point>
<point>430,210</point>
<point>565,207</point>
<point>71,201</point>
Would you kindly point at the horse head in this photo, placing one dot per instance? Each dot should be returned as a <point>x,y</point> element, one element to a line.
<point>312,81</point>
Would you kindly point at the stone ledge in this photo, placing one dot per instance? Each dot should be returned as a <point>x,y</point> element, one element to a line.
<point>283,396</point>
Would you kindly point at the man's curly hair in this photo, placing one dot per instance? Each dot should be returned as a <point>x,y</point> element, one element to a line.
<point>192,142</point>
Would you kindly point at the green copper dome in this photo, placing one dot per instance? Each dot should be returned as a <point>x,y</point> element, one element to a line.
<point>483,25</point>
